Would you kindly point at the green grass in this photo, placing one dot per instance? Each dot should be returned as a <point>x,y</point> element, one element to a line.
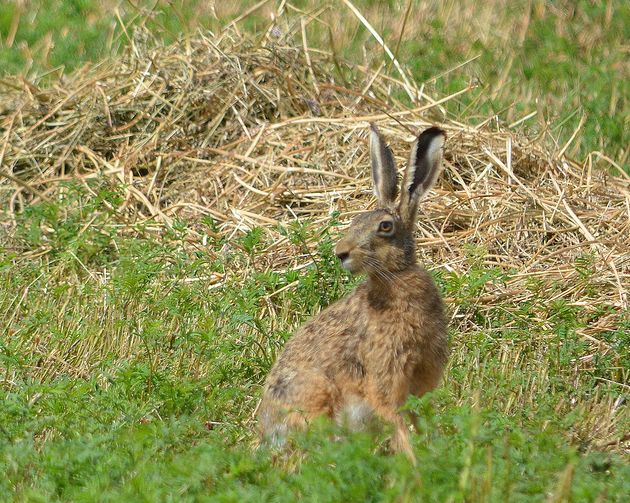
<point>125,377</point>
<point>40,36</point>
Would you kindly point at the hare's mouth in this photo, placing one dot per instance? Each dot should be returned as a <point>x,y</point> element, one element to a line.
<point>350,264</point>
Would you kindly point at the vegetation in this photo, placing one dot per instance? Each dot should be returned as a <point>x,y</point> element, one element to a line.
<point>138,328</point>
<point>172,420</point>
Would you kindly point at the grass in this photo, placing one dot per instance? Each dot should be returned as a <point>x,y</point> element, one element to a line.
<point>132,356</point>
<point>562,64</point>
<point>42,36</point>
<point>143,380</point>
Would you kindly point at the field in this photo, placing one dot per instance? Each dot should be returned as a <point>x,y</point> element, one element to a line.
<point>170,203</point>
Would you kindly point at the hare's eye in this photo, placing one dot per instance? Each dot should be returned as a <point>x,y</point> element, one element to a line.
<point>385,226</point>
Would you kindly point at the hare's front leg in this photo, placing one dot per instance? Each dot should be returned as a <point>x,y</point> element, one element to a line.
<point>423,380</point>
<point>386,401</point>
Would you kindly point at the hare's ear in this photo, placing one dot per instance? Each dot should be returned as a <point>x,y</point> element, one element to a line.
<point>425,165</point>
<point>383,169</point>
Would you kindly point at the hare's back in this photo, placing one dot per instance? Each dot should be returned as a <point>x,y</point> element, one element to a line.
<point>327,337</point>
<point>324,346</point>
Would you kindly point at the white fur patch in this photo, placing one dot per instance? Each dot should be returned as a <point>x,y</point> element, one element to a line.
<point>275,433</point>
<point>355,415</point>
<point>432,155</point>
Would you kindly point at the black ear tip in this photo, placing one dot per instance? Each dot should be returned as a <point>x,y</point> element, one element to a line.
<point>431,133</point>
<point>373,127</point>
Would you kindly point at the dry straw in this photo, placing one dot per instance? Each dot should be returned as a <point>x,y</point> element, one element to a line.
<point>258,133</point>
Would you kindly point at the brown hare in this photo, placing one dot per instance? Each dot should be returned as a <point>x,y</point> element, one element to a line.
<point>366,353</point>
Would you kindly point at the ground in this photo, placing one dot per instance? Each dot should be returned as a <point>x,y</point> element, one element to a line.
<point>148,281</point>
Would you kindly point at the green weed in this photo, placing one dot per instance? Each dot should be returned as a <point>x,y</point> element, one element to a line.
<point>126,376</point>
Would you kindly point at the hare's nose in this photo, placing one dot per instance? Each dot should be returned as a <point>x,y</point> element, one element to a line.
<point>343,256</point>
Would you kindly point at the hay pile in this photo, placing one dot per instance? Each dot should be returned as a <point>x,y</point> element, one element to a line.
<point>253,134</point>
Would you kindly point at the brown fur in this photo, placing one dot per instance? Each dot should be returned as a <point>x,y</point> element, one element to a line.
<point>383,342</point>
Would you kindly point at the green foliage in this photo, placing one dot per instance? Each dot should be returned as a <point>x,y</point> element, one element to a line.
<point>66,34</point>
<point>131,363</point>
<point>126,376</point>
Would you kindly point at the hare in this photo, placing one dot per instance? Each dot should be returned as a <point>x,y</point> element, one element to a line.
<point>366,353</point>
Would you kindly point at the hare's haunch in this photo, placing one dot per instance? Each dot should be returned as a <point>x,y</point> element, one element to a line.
<point>369,351</point>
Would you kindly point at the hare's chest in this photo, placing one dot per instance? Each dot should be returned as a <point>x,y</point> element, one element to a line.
<point>390,340</point>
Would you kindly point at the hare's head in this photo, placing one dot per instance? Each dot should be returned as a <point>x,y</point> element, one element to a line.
<point>381,241</point>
